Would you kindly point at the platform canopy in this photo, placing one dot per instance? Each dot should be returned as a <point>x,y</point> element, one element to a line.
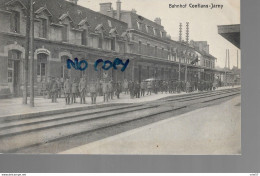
<point>231,33</point>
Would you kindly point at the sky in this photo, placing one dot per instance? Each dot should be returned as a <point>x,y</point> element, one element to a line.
<point>203,22</point>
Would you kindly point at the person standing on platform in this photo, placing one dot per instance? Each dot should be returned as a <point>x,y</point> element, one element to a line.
<point>110,89</point>
<point>74,90</point>
<point>93,91</point>
<point>131,89</point>
<point>117,89</point>
<point>149,87</point>
<point>53,90</point>
<point>125,85</point>
<point>137,89</point>
<point>82,90</point>
<point>59,88</point>
<point>187,87</point>
<point>143,87</point>
<point>67,91</point>
<point>105,91</point>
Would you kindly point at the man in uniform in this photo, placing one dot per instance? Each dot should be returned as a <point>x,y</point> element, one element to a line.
<point>67,91</point>
<point>131,89</point>
<point>137,89</point>
<point>117,89</point>
<point>110,89</point>
<point>149,87</point>
<point>74,90</point>
<point>59,87</point>
<point>53,90</point>
<point>93,91</point>
<point>105,91</point>
<point>82,90</point>
<point>143,87</point>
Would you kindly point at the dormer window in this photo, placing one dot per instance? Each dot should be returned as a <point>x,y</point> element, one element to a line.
<point>139,25</point>
<point>100,41</point>
<point>146,27</point>
<point>65,33</point>
<point>161,34</point>
<point>84,37</point>
<point>15,22</point>
<point>43,28</point>
<point>154,31</point>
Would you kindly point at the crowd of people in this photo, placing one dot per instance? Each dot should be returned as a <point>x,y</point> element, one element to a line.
<point>72,90</point>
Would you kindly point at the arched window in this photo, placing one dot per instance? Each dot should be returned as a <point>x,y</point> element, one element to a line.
<point>14,58</point>
<point>41,66</point>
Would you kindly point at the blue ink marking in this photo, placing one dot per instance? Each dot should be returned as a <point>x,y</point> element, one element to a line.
<point>74,64</point>
<point>80,64</point>
<point>97,62</point>
<point>83,64</point>
<point>125,65</point>
<point>116,62</point>
<point>107,62</point>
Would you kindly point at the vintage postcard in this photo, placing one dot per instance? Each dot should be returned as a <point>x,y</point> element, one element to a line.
<point>128,77</point>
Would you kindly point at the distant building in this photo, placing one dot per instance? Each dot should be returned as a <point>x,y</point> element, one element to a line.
<point>63,30</point>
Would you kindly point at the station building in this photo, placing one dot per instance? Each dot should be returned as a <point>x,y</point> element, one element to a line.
<point>64,30</point>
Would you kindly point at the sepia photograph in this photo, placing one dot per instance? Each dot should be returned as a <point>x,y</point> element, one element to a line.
<point>120,77</point>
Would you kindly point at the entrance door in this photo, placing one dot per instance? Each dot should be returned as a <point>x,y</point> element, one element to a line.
<point>16,83</point>
<point>14,75</point>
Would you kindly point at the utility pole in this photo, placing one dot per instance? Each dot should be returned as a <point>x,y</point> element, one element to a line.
<point>26,59</point>
<point>226,68</point>
<point>186,69</point>
<point>32,54</point>
<point>179,68</point>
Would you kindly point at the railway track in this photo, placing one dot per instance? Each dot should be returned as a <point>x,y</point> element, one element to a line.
<point>55,133</point>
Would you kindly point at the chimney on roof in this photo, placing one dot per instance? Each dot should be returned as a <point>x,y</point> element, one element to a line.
<point>133,10</point>
<point>73,1</point>
<point>118,9</point>
<point>105,8</point>
<point>158,20</point>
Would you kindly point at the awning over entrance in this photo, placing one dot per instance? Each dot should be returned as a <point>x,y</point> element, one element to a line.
<point>231,33</point>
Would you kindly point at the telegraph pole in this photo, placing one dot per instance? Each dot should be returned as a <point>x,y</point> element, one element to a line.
<point>179,68</point>
<point>226,69</point>
<point>186,69</point>
<point>31,54</point>
<point>26,59</point>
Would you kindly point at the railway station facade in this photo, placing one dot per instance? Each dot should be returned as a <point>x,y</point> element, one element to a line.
<point>64,30</point>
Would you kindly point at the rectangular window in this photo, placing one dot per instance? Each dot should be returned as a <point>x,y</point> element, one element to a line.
<point>100,41</point>
<point>44,28</point>
<point>140,47</point>
<point>65,33</point>
<point>43,69</point>
<point>148,49</point>
<point>15,22</point>
<point>10,76</point>
<point>113,44</point>
<point>38,69</point>
<point>10,63</point>
<point>84,37</point>
<point>155,51</point>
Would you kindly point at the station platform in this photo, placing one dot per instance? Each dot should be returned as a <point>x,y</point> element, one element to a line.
<point>214,130</point>
<point>13,107</point>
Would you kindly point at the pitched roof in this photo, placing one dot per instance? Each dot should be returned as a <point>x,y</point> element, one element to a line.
<point>59,9</point>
